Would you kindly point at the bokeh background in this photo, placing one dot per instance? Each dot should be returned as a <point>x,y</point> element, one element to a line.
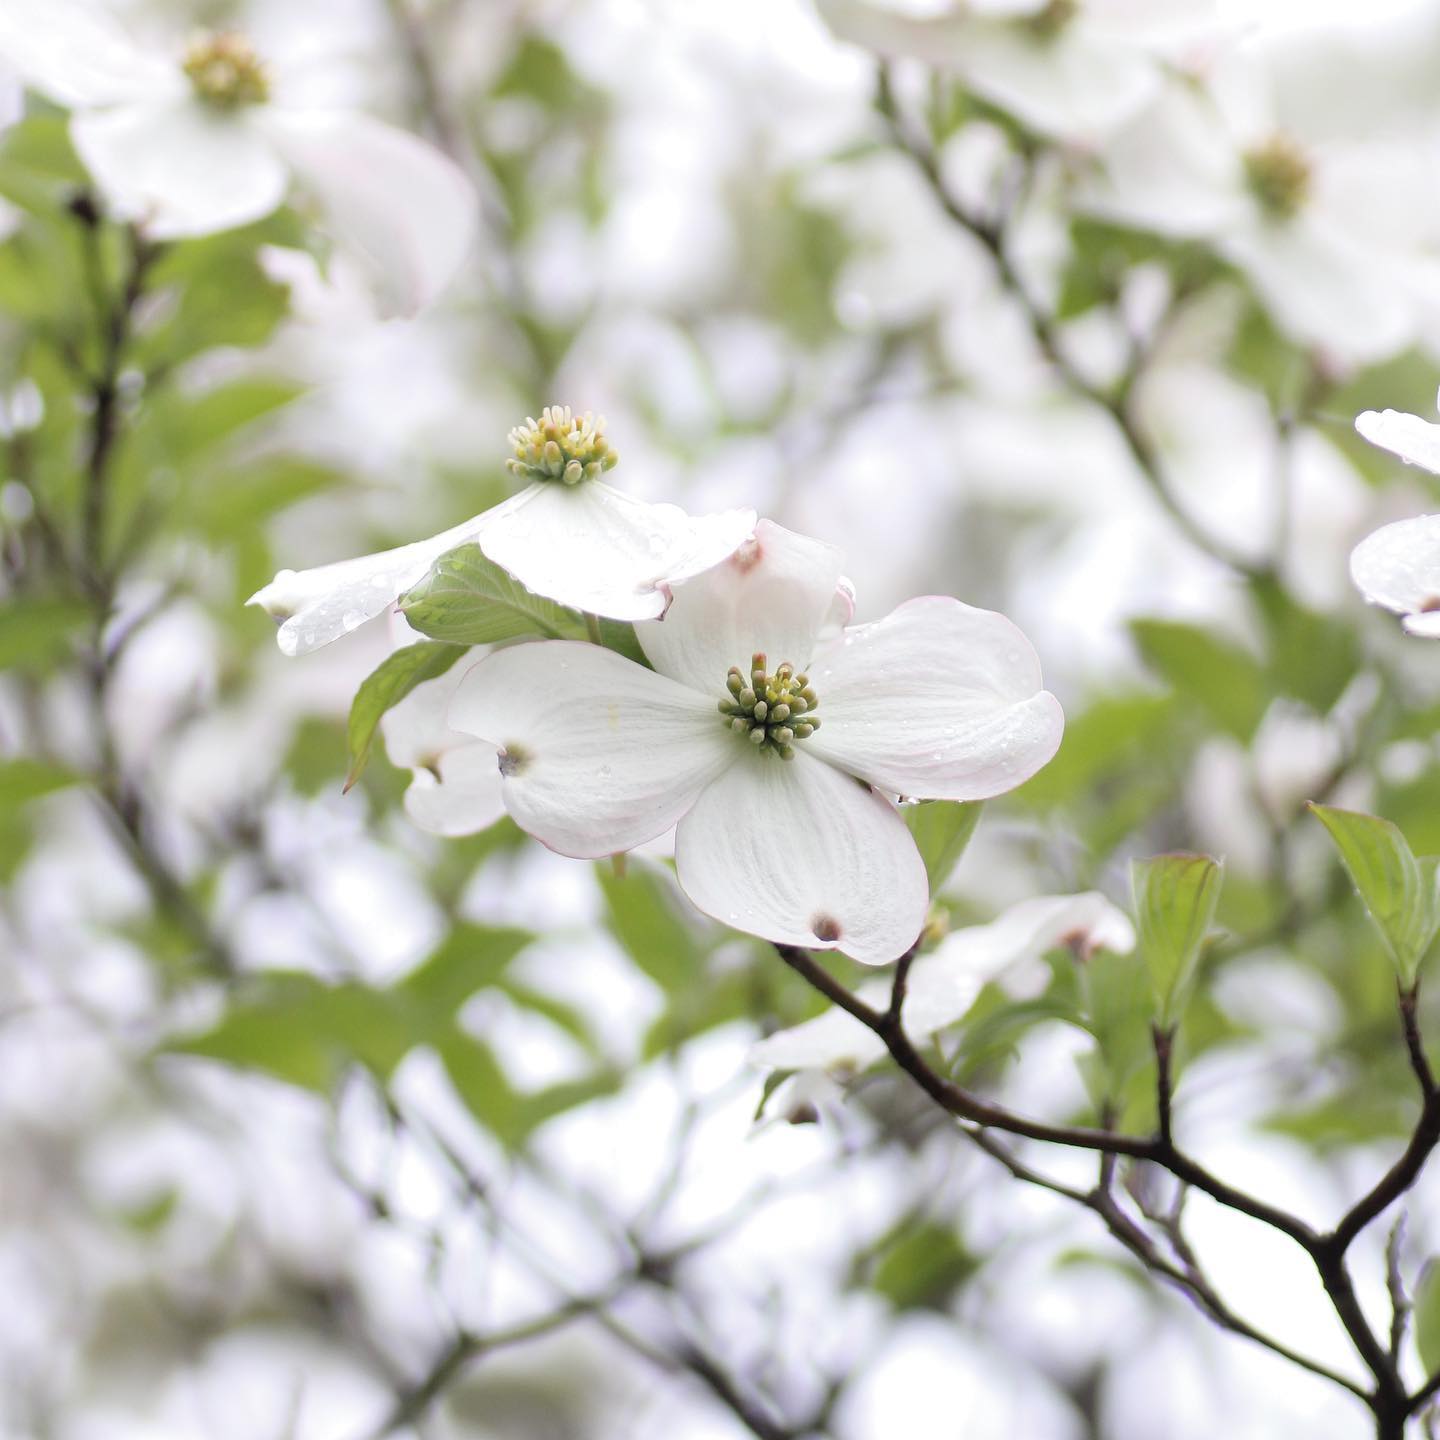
<point>292,1094</point>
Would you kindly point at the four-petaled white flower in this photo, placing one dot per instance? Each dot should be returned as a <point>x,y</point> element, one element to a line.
<point>567,536</point>
<point>944,984</point>
<point>1070,69</point>
<point>771,747</point>
<point>192,143</point>
<point>1398,566</point>
<point>1334,230</point>
<point>455,784</point>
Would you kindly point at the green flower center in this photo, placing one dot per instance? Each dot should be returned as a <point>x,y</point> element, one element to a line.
<point>225,71</point>
<point>561,446</point>
<point>771,711</point>
<point>1048,22</point>
<point>1278,176</point>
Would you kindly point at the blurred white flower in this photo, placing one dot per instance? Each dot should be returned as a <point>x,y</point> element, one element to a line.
<point>192,143</point>
<point>1070,69</point>
<point>567,536</point>
<point>1336,237</point>
<point>455,785</point>
<point>1398,565</point>
<point>943,985</point>
<point>937,700</point>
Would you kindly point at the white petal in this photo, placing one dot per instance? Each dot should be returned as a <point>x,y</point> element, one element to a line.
<point>938,701</point>
<point>1076,86</point>
<point>1414,440</point>
<point>77,55</point>
<point>798,852</point>
<point>600,754</point>
<point>775,594</point>
<point>1326,287</point>
<point>320,605</point>
<point>944,983</point>
<point>833,1041</point>
<point>401,206</point>
<point>417,729</point>
<point>462,795</point>
<point>179,168</point>
<point>590,547</point>
<point>1399,567</point>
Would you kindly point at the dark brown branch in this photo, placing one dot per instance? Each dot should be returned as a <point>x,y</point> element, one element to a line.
<point>1164,1041</point>
<point>979,1111</point>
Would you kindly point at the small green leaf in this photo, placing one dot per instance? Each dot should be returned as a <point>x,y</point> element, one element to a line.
<point>1399,891</point>
<point>1427,1317</point>
<point>922,1266</point>
<point>469,600</point>
<point>23,780</point>
<point>1216,676</point>
<point>36,634</point>
<point>941,829</point>
<point>1175,899</point>
<point>388,684</point>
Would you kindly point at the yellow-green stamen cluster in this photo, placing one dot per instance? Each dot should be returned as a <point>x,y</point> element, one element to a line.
<point>561,446</point>
<point>225,71</point>
<point>1049,21</point>
<point>1278,175</point>
<point>771,711</point>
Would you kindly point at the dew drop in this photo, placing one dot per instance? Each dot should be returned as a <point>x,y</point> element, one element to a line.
<point>352,619</point>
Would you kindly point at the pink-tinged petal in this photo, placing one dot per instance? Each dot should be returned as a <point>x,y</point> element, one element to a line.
<point>944,983</point>
<point>407,211</point>
<point>461,795</point>
<point>938,701</point>
<point>179,168</point>
<point>1398,567</point>
<point>800,853</point>
<point>774,594</point>
<point>76,55</point>
<point>598,754</point>
<point>593,548</point>
<point>320,605</point>
<point>1414,440</point>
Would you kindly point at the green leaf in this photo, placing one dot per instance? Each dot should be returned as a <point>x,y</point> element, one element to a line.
<point>643,909</point>
<point>1427,1317</point>
<point>470,958</point>
<point>1118,1009</point>
<point>1175,898</point>
<point>469,600</point>
<point>386,686</point>
<point>24,780</point>
<point>36,634</point>
<point>1216,676</point>
<point>1400,892</point>
<point>921,1267</point>
<point>941,830</point>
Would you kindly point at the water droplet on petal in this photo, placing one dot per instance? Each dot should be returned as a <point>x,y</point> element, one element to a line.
<point>352,619</point>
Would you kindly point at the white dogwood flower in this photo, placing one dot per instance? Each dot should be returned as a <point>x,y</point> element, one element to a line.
<point>1335,232</point>
<point>772,748</point>
<point>455,784</point>
<point>195,141</point>
<point>1071,69</point>
<point>1398,566</point>
<point>567,536</point>
<point>944,984</point>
